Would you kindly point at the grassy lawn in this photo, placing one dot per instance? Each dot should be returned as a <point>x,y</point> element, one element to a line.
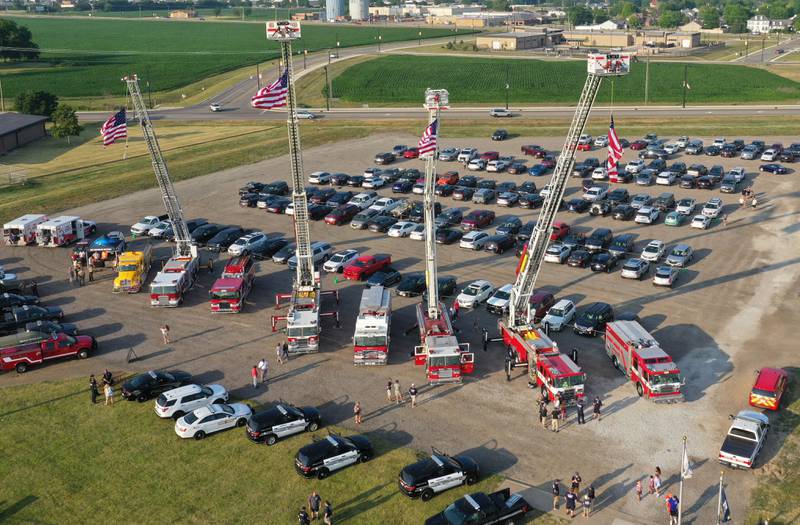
<point>131,461</point>
<point>87,57</point>
<point>256,13</point>
<point>311,90</point>
<point>401,80</point>
<point>776,497</point>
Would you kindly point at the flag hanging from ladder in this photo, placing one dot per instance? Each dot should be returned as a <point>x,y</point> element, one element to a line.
<point>614,149</point>
<point>115,128</point>
<point>274,95</point>
<point>427,144</point>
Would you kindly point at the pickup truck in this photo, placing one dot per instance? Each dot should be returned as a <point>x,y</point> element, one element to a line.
<point>745,439</point>
<point>480,509</point>
<point>20,315</point>
<point>366,265</point>
<point>20,351</point>
<point>147,222</point>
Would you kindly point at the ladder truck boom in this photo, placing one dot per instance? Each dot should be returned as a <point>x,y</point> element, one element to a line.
<point>599,66</point>
<point>435,100</point>
<point>183,242</point>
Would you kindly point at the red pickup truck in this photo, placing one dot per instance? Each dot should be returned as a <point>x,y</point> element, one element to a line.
<point>22,350</point>
<point>366,265</point>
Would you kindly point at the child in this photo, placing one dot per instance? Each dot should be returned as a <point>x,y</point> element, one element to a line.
<point>587,505</point>
<point>651,485</point>
<point>639,490</point>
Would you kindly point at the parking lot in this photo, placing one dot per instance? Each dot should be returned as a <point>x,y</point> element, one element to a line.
<point>730,311</point>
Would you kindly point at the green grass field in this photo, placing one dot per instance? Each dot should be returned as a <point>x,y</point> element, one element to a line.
<point>96,53</point>
<point>403,79</point>
<point>256,13</point>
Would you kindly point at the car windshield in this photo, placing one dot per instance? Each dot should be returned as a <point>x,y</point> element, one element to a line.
<point>500,294</point>
<point>632,265</point>
<point>569,381</point>
<point>240,242</point>
<point>651,249</point>
<point>377,340</point>
<point>664,379</point>
<point>190,418</point>
<point>663,272</point>
<point>679,251</point>
<point>224,294</point>
<point>127,268</point>
<point>301,331</point>
<point>556,312</point>
<point>712,205</point>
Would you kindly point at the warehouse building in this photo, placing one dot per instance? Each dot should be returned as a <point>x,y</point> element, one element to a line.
<point>17,129</point>
<point>586,38</point>
<point>520,40</point>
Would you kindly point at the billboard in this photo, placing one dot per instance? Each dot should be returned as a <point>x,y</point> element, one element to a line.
<point>283,30</point>
<point>611,64</point>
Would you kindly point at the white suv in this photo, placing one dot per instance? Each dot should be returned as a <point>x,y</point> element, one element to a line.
<point>635,166</point>
<point>179,401</point>
<point>321,251</point>
<point>467,154</point>
<point>246,244</point>
<point>339,260</point>
<point>364,200</point>
<point>559,315</point>
<point>319,177</point>
<point>499,112</point>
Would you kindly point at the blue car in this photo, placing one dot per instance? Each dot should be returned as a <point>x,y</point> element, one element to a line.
<point>537,171</point>
<point>403,186</point>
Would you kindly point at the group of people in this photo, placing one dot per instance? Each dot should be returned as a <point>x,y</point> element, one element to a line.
<point>108,388</point>
<point>572,498</point>
<point>313,512</point>
<point>260,371</point>
<point>559,411</point>
<point>394,393</point>
<point>748,195</point>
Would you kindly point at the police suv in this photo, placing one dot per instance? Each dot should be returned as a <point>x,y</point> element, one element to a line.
<point>436,474</point>
<point>482,509</point>
<point>281,421</point>
<point>323,456</point>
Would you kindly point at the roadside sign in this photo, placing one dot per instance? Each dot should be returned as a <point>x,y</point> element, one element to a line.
<point>283,30</point>
<point>608,65</point>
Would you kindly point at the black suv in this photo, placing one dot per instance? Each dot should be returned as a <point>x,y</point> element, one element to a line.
<point>592,319</point>
<point>664,202</point>
<point>599,240</point>
<point>437,473</point>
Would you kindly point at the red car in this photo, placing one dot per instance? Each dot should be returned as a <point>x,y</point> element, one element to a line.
<point>342,214</point>
<point>451,177</point>
<point>637,145</point>
<point>411,153</point>
<point>769,387</point>
<point>560,230</point>
<point>533,150</point>
<point>477,219</point>
<point>585,147</point>
<point>490,155</point>
<point>549,161</point>
<point>366,265</point>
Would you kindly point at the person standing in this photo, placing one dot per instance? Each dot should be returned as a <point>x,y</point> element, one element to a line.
<point>657,484</point>
<point>389,397</point>
<point>263,368</point>
<point>165,333</point>
<point>724,219</point>
<point>596,406</point>
<point>587,506</point>
<point>575,483</point>
<point>210,265</point>
<point>35,288</point>
<point>93,389</point>
<point>672,509</point>
<point>357,413</point>
<point>279,353</point>
<point>590,493</point>
<point>313,504</point>
<point>302,517</point>
<point>543,414</point>
<point>81,276</point>
<point>412,392</point>
<point>557,404</point>
<point>455,309</point>
<point>638,490</point>
<point>327,514</point>
<point>108,378</point>
<point>579,407</point>
<point>563,408</point>
<point>571,499</point>
<point>72,274</point>
<point>556,491</point>
<point>90,269</point>
<point>254,376</point>
<point>398,392</point>
<point>554,420</point>
<point>651,485</point>
<point>109,393</point>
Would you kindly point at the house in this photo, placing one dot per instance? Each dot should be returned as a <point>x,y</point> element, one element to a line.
<point>761,24</point>
<point>608,25</point>
<point>18,129</point>
<point>691,27</point>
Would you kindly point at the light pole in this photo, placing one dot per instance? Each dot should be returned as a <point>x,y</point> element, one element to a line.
<point>380,37</point>
<point>305,55</point>
<point>508,86</point>
<point>419,34</point>
<point>685,68</point>
<point>327,91</point>
<point>2,100</point>
<point>763,40</point>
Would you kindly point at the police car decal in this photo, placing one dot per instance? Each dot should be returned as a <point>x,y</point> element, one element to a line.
<point>341,460</point>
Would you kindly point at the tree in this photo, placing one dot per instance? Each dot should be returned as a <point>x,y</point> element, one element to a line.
<point>217,11</point>
<point>579,15</point>
<point>65,123</point>
<point>736,16</point>
<point>36,103</point>
<point>670,19</point>
<point>777,11</point>
<point>627,9</point>
<point>16,36</point>
<point>710,17</point>
<point>599,16</point>
<point>499,5</point>
<point>634,22</point>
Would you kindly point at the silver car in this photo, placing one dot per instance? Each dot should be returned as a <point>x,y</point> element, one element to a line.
<point>635,269</point>
<point>680,256</point>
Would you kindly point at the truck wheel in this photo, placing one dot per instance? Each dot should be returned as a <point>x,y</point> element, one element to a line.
<point>426,495</point>
<point>21,368</point>
<point>313,426</point>
<point>322,473</point>
<point>83,354</point>
<point>241,422</point>
<point>472,479</point>
<point>177,415</point>
<point>615,362</point>
<point>271,439</point>
<point>639,389</point>
<point>141,398</point>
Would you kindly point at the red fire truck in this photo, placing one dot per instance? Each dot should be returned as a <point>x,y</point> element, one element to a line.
<point>22,350</point>
<point>174,281</point>
<point>555,374</point>
<point>230,291</point>
<point>445,359</point>
<point>373,324</point>
<point>638,355</point>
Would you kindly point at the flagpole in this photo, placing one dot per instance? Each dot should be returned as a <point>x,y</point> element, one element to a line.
<point>719,500</point>
<point>680,488</point>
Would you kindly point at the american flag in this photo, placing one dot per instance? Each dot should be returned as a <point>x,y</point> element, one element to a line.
<point>274,95</point>
<point>427,144</point>
<point>115,128</point>
<point>614,149</point>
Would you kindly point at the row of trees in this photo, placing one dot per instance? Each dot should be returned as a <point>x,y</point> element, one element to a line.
<point>17,37</point>
<point>63,116</point>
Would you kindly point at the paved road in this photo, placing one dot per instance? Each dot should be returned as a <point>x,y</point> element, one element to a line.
<point>754,54</point>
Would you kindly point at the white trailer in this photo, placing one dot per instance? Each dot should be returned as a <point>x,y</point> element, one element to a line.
<point>373,324</point>
<point>22,230</point>
<point>63,230</point>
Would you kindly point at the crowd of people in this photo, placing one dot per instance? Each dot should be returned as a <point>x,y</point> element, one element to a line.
<point>314,508</point>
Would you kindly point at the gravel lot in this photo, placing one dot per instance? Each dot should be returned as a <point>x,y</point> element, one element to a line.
<point>730,313</point>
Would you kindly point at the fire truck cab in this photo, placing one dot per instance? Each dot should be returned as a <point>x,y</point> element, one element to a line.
<point>22,230</point>
<point>637,354</point>
<point>230,291</point>
<point>555,373</point>
<point>63,230</point>
<point>175,279</point>
<point>445,359</point>
<point>373,324</point>
<point>769,387</point>
<point>302,323</point>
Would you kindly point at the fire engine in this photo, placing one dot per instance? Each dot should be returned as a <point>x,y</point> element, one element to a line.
<point>22,230</point>
<point>63,230</point>
<point>637,354</point>
<point>373,324</point>
<point>229,292</point>
<point>174,281</point>
<point>556,374</point>
<point>22,350</point>
<point>445,359</point>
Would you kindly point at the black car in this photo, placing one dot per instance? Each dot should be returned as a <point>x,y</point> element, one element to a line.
<point>581,170</point>
<point>527,187</point>
<point>339,179</point>
<point>413,284</point>
<point>283,255</point>
<point>391,175</point>
<point>341,198</point>
<point>599,240</point>
<point>506,187</point>
<point>574,240</point>
<point>444,190</point>
<point>578,205</point>
<point>331,453</point>
<point>10,300</point>
<point>448,235</point>
<point>678,168</point>
<point>468,181</point>
<point>278,205</point>
<point>657,165</point>
<point>485,184</point>
<point>384,158</point>
<point>603,262</point>
<point>19,316</point>
<point>688,182</point>
<point>411,174</point>
<point>436,474</point>
<point>728,151</point>
<point>403,186</point>
<point>152,383</point>
<point>248,200</point>
<point>716,172</point>
<point>317,212</point>
<point>417,213</point>
<point>621,245</point>
<point>526,231</point>
<point>355,181</point>
<point>52,327</point>
<point>499,243</point>
<point>664,202</point>
<point>276,188</point>
<point>322,195</point>
<point>592,319</point>
<point>462,193</point>
<point>705,183</point>
<point>224,238</point>
<point>579,259</point>
<point>269,247</point>
<point>381,224</point>
<point>449,217</point>
<point>530,200</point>
<point>618,196</point>
<point>712,151</point>
<point>386,277</point>
<point>202,234</point>
<point>252,187</point>
<point>623,212</point>
<point>280,421</point>
<point>500,134</point>
<point>510,226</point>
<point>481,509</point>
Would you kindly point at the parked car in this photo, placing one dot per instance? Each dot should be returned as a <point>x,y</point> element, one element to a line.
<point>413,284</point>
<point>448,235</point>
<point>685,206</point>
<point>461,193</point>
<point>474,294</point>
<point>283,420</point>
<point>448,154</point>
<point>635,269</point>
<point>701,222</point>
<point>665,276</point>
<point>477,219</point>
<point>579,259</point>
<point>640,200</point>
<point>599,240</point>
<point>674,218</point>
<point>603,262</point>
<point>321,251</point>
<point>179,401</point>
<point>530,200</point>
<point>499,243</point>
<point>483,196</point>
<point>680,256</point>
<point>510,226</point>
<point>621,245</point>
<point>623,212</point>
<point>578,205</point>
<point>212,418</point>
<point>401,229</point>
<point>480,508</point>
<point>339,260</point>
<point>224,238</point>
<point>247,243</point>
<point>384,158</point>
<point>775,169</point>
<point>386,278</point>
<point>595,193</point>
<point>155,382</point>
<point>712,208</point>
<point>559,315</point>
<point>654,251</point>
<point>592,319</point>
<point>500,134</point>
<point>664,202</point>
<point>319,177</point>
<point>342,214</point>
<point>745,439</point>
<point>437,473</point>
<point>498,302</point>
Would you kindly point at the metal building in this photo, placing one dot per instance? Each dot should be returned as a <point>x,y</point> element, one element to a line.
<point>334,9</point>
<point>359,9</point>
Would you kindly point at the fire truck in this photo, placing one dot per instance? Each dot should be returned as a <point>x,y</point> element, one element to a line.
<point>373,324</point>
<point>556,374</point>
<point>174,281</point>
<point>444,358</point>
<point>22,230</point>
<point>230,291</point>
<point>637,354</point>
<point>22,350</point>
<point>63,230</point>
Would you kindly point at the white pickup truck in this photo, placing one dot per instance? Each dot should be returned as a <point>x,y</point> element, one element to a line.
<point>745,439</point>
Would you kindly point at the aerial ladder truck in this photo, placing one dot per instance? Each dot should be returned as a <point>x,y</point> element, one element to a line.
<point>179,273</point>
<point>303,316</point>
<point>554,372</point>
<point>445,359</point>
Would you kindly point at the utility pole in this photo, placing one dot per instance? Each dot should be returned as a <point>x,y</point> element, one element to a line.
<point>719,498</point>
<point>419,34</point>
<point>685,67</point>
<point>328,91</point>
<point>680,487</point>
<point>258,76</point>
<point>2,100</point>
<point>763,40</point>
<point>647,82</point>
<point>508,86</point>
<point>305,56</point>
<point>380,37</point>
